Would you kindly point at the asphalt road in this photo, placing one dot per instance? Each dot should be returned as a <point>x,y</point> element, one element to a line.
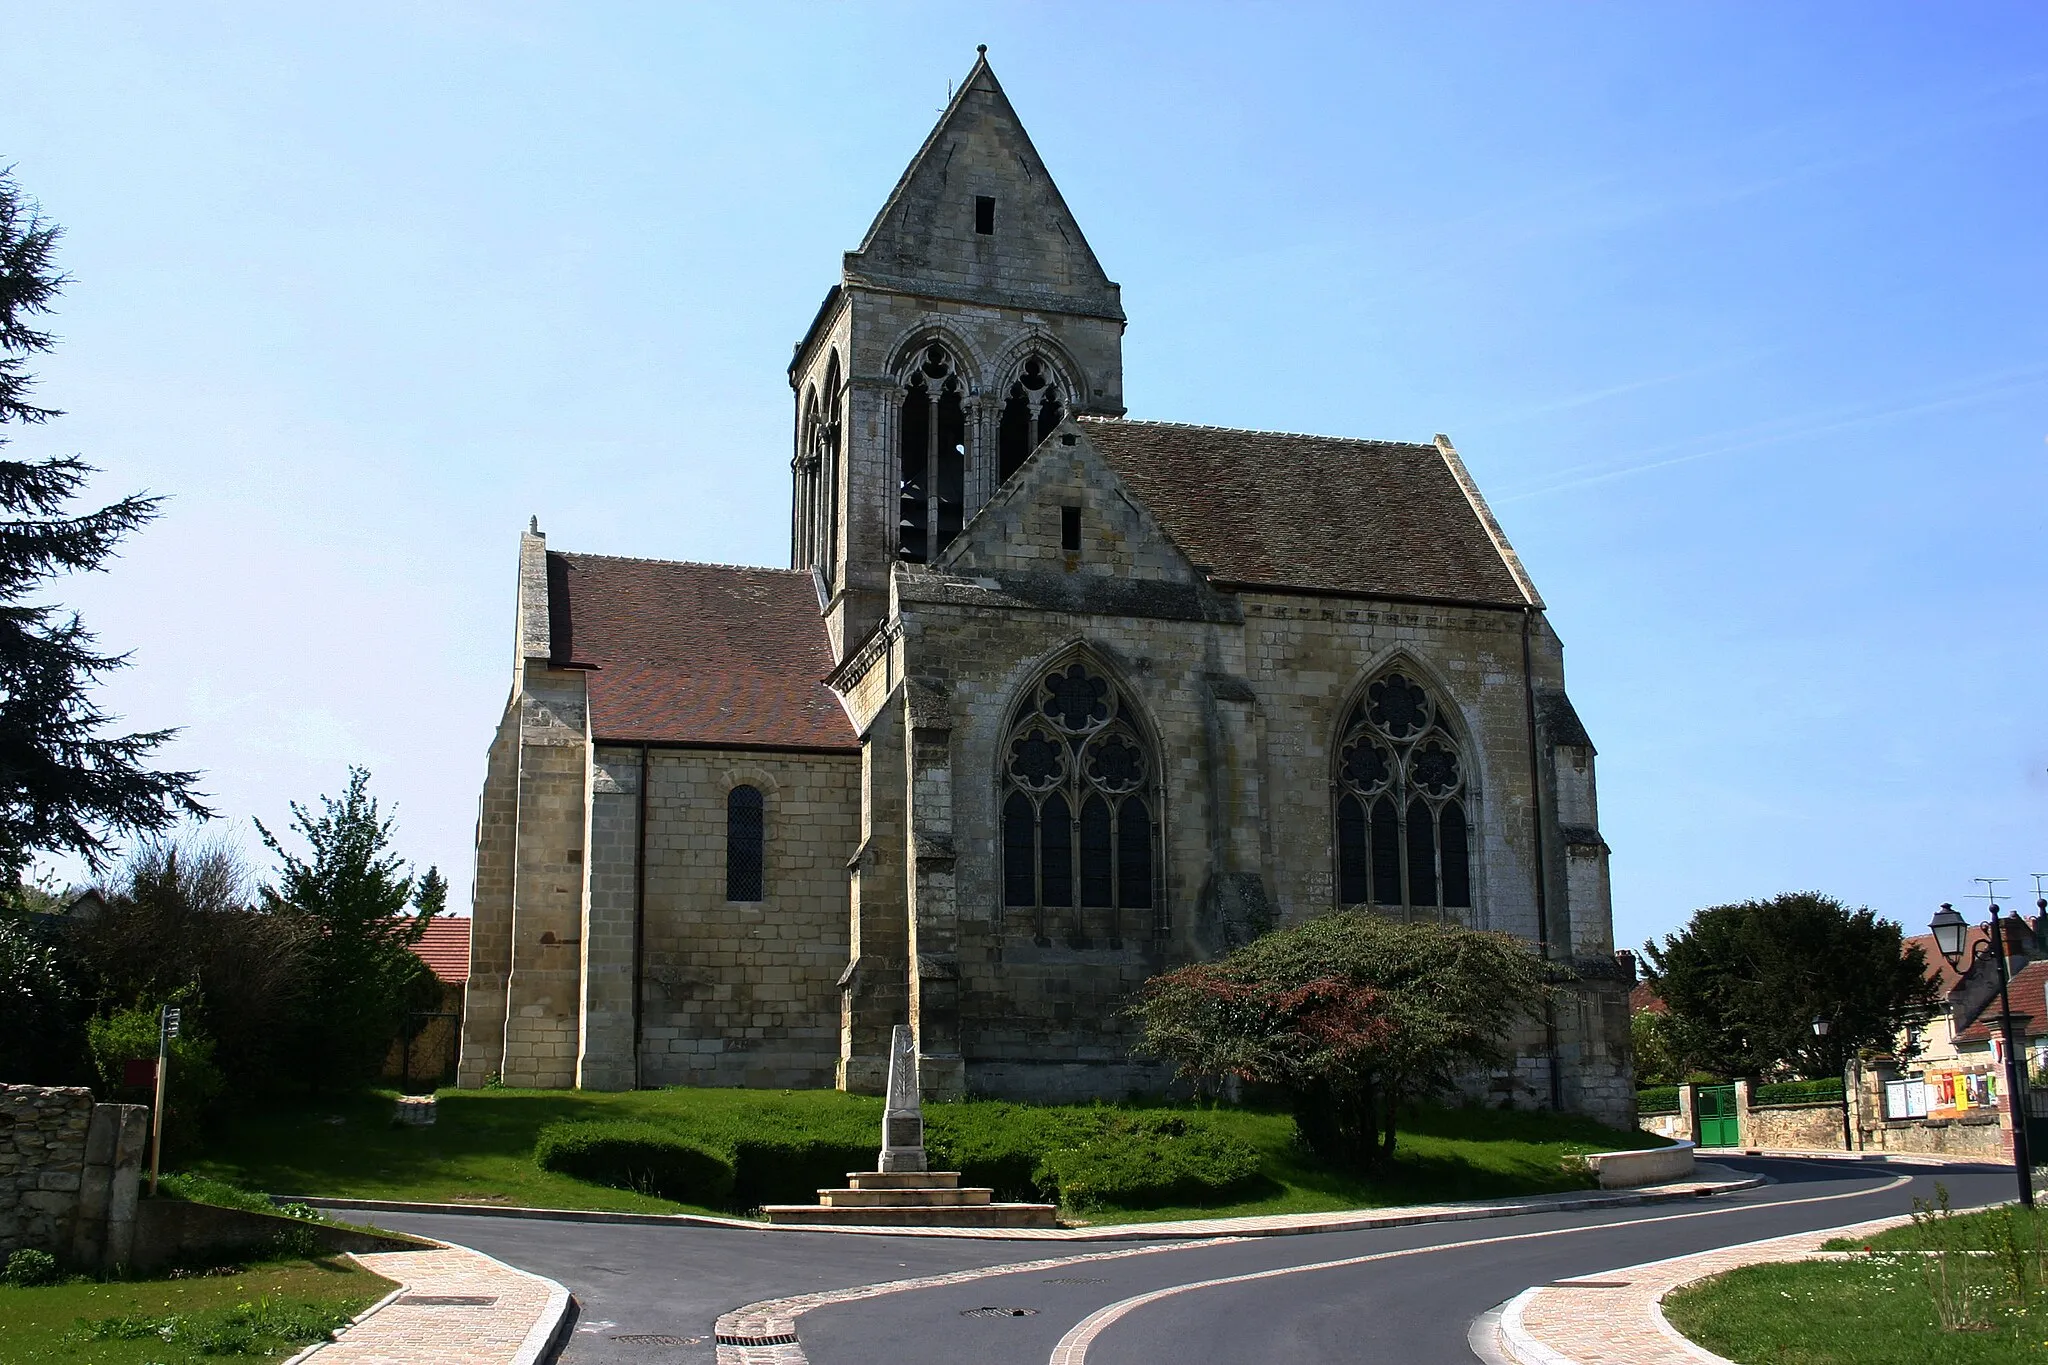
<point>651,1294</point>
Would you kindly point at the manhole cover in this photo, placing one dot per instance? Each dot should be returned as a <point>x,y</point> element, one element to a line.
<point>997,1312</point>
<point>656,1339</point>
<point>1075,1279</point>
<point>446,1300</point>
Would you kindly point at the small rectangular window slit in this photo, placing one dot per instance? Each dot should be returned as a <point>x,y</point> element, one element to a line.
<point>985,214</point>
<point>1070,530</point>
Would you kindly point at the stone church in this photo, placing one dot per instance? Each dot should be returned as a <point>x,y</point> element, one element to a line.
<point>1049,700</point>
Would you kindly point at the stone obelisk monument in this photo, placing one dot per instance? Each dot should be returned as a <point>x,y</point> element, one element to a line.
<point>903,1192</point>
<point>903,1117</point>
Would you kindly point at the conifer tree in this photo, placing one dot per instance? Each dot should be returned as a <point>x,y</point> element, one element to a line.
<point>66,784</point>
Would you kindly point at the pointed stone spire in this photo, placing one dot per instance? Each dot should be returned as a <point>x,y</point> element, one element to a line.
<point>977,217</point>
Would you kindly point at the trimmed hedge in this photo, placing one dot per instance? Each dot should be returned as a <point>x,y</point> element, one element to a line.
<point>1135,1163</point>
<point>637,1156</point>
<point>790,1168</point>
<point>1798,1092</point>
<point>1657,1099</point>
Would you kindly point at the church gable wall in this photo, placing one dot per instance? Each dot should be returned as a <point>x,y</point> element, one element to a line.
<point>1023,529</point>
<point>744,993</point>
<point>490,925</point>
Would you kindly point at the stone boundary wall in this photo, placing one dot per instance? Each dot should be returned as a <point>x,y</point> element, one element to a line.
<point>1985,1133</point>
<point>69,1169</point>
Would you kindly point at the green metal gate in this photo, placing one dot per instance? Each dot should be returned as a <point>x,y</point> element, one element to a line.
<point>1716,1113</point>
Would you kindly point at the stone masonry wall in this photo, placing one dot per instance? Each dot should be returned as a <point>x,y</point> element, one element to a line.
<point>746,993</point>
<point>68,1172</point>
<point>42,1163</point>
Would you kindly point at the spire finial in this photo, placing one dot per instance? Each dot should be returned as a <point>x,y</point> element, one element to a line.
<point>981,48</point>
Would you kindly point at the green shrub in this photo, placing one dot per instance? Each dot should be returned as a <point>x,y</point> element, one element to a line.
<point>195,1082</point>
<point>790,1168</point>
<point>1001,1145</point>
<point>637,1156</point>
<point>1134,1162</point>
<point>28,1267</point>
<point>1657,1099</point>
<point>1827,1091</point>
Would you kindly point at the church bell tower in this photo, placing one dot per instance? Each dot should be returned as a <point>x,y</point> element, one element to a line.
<point>970,320</point>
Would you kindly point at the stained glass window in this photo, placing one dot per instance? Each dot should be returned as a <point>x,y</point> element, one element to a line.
<point>1079,844</point>
<point>1402,790</point>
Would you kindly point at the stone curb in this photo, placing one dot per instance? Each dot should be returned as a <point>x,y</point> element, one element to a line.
<point>306,1353</point>
<point>1872,1158</point>
<point>1284,1225</point>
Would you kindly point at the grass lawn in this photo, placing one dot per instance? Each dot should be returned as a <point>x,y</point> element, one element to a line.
<point>268,1310</point>
<point>479,1150</point>
<point>1870,1310</point>
<point>1984,1230</point>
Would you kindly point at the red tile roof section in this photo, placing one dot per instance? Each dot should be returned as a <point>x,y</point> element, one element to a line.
<point>1945,976</point>
<point>1645,997</point>
<point>445,948</point>
<point>714,655</point>
<point>2029,1007</point>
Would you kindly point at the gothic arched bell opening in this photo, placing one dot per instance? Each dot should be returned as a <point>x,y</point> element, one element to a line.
<point>1032,409</point>
<point>932,463</point>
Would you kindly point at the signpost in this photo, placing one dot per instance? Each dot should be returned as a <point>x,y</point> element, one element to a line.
<point>166,1029</point>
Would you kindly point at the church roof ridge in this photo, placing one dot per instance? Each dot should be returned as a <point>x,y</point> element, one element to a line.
<point>1245,431</point>
<point>681,563</point>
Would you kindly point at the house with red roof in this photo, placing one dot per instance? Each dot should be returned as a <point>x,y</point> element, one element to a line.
<point>1048,700</point>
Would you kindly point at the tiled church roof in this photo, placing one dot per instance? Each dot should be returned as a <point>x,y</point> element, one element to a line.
<point>710,654</point>
<point>1375,518</point>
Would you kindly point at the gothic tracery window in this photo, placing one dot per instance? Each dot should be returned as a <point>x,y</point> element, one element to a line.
<point>1079,804</point>
<point>1403,825</point>
<point>932,464</point>
<point>1032,409</point>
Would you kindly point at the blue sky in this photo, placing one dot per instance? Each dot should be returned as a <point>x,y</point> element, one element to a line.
<point>1736,312</point>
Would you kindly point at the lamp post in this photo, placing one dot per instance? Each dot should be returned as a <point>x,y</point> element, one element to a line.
<point>1949,932</point>
<point>1822,1026</point>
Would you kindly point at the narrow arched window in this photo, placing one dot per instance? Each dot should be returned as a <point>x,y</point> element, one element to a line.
<point>931,456</point>
<point>804,492</point>
<point>744,840</point>
<point>1030,412</point>
<point>826,516</point>
<point>1403,832</point>
<point>1079,838</point>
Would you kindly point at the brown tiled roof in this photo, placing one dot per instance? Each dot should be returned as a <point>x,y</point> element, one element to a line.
<point>707,654</point>
<point>1947,978</point>
<point>1645,997</point>
<point>1372,518</point>
<point>444,947</point>
<point>2029,989</point>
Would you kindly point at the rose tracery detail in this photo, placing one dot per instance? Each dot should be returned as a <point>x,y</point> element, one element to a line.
<point>1115,764</point>
<point>1075,700</point>
<point>1397,706</point>
<point>1037,760</point>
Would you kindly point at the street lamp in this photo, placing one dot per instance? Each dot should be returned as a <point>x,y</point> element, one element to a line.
<point>1949,932</point>
<point>1822,1025</point>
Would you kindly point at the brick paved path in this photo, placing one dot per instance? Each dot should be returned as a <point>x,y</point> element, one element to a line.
<point>508,1319</point>
<point>1614,1318</point>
